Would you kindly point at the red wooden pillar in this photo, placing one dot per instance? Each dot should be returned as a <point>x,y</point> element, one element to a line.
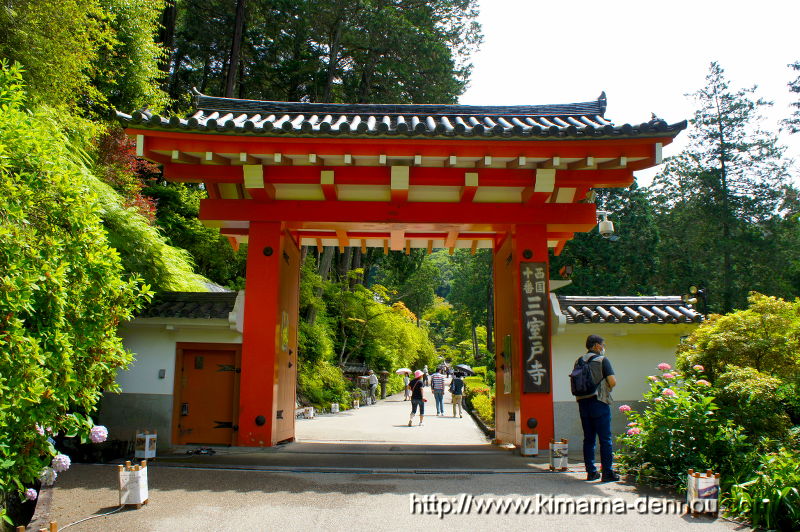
<point>257,381</point>
<point>530,246</point>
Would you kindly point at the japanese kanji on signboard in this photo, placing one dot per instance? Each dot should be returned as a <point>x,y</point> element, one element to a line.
<point>536,327</point>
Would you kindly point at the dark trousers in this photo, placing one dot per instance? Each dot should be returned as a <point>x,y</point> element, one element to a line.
<point>596,423</point>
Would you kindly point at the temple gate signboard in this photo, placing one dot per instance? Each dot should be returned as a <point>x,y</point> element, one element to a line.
<point>536,327</point>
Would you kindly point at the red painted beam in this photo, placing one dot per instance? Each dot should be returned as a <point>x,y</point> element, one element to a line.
<point>380,175</point>
<point>447,214</point>
<point>397,146</point>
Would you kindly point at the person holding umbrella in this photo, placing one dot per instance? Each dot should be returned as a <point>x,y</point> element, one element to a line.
<point>417,400</point>
<point>405,372</point>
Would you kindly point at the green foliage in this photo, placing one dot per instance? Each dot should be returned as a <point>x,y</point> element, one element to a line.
<point>751,400</point>
<point>770,498</point>
<point>766,337</point>
<point>681,429</point>
<point>126,72</point>
<point>177,209</point>
<point>345,323</point>
<point>627,266</point>
<point>729,191</point>
<point>63,290</point>
<point>85,54</point>
<point>475,384</point>
<point>329,51</point>
<point>321,383</point>
<point>484,407</point>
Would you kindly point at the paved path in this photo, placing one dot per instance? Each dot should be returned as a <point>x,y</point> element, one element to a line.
<point>250,501</point>
<point>387,422</point>
<point>362,471</point>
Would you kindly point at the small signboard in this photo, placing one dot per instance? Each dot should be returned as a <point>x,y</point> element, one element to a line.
<point>536,327</point>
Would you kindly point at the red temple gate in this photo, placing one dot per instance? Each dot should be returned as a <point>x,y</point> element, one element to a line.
<point>514,179</point>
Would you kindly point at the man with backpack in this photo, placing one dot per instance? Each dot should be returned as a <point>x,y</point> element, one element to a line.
<point>591,380</point>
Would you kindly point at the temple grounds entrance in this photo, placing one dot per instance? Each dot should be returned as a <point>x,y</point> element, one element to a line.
<point>282,175</point>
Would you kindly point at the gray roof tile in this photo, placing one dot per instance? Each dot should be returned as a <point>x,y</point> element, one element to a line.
<point>583,120</point>
<point>197,305</point>
<point>627,309</point>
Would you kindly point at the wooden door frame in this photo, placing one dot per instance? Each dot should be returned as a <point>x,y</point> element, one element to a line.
<point>180,347</point>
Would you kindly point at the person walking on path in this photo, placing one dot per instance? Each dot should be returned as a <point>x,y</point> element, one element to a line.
<point>437,387</point>
<point>417,400</point>
<point>406,391</point>
<point>373,387</point>
<point>595,409</point>
<point>425,375</point>
<point>457,387</point>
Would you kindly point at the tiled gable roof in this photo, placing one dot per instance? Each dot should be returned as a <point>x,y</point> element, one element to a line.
<point>627,309</point>
<point>560,121</point>
<point>197,305</point>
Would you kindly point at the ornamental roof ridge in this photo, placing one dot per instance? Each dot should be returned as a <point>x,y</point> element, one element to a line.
<point>571,121</point>
<point>233,105</point>
<point>627,309</point>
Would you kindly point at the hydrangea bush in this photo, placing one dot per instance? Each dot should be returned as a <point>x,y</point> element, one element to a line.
<point>678,430</point>
<point>63,293</point>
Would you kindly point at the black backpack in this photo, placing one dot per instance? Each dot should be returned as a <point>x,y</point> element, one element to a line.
<point>581,380</point>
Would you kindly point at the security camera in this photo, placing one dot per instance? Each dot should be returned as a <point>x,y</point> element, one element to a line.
<point>606,226</point>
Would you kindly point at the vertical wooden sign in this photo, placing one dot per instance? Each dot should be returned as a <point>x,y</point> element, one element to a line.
<point>535,327</point>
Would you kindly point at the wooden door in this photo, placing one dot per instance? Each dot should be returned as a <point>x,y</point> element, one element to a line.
<point>286,350</point>
<point>205,396</point>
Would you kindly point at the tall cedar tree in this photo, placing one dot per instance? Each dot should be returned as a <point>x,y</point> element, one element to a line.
<point>720,201</point>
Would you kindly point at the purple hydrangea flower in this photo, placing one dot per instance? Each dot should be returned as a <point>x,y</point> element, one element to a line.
<point>668,393</point>
<point>31,494</point>
<point>40,429</point>
<point>48,476</point>
<point>624,408</point>
<point>98,434</point>
<point>664,366</point>
<point>61,463</point>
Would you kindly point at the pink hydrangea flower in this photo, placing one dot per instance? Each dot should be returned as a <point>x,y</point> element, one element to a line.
<point>664,366</point>
<point>668,392</point>
<point>658,399</point>
<point>703,382</point>
<point>624,408</point>
<point>31,494</point>
<point>40,429</point>
<point>634,430</point>
<point>669,376</point>
<point>48,476</point>
<point>632,424</point>
<point>98,434</point>
<point>698,367</point>
<point>652,378</point>
<point>60,463</point>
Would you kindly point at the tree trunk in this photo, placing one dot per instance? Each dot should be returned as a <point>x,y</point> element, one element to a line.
<point>727,273</point>
<point>490,315</point>
<point>236,46</point>
<point>324,268</point>
<point>476,353</point>
<point>333,61</point>
<point>166,36</point>
<point>344,262</point>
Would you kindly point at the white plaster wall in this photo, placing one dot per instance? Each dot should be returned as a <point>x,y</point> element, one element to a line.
<point>633,349</point>
<point>153,345</point>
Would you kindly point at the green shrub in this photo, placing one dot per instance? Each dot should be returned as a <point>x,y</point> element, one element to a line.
<point>320,384</point>
<point>474,382</point>
<point>63,291</point>
<point>680,429</point>
<point>770,498</point>
<point>484,407</point>
<point>750,398</point>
